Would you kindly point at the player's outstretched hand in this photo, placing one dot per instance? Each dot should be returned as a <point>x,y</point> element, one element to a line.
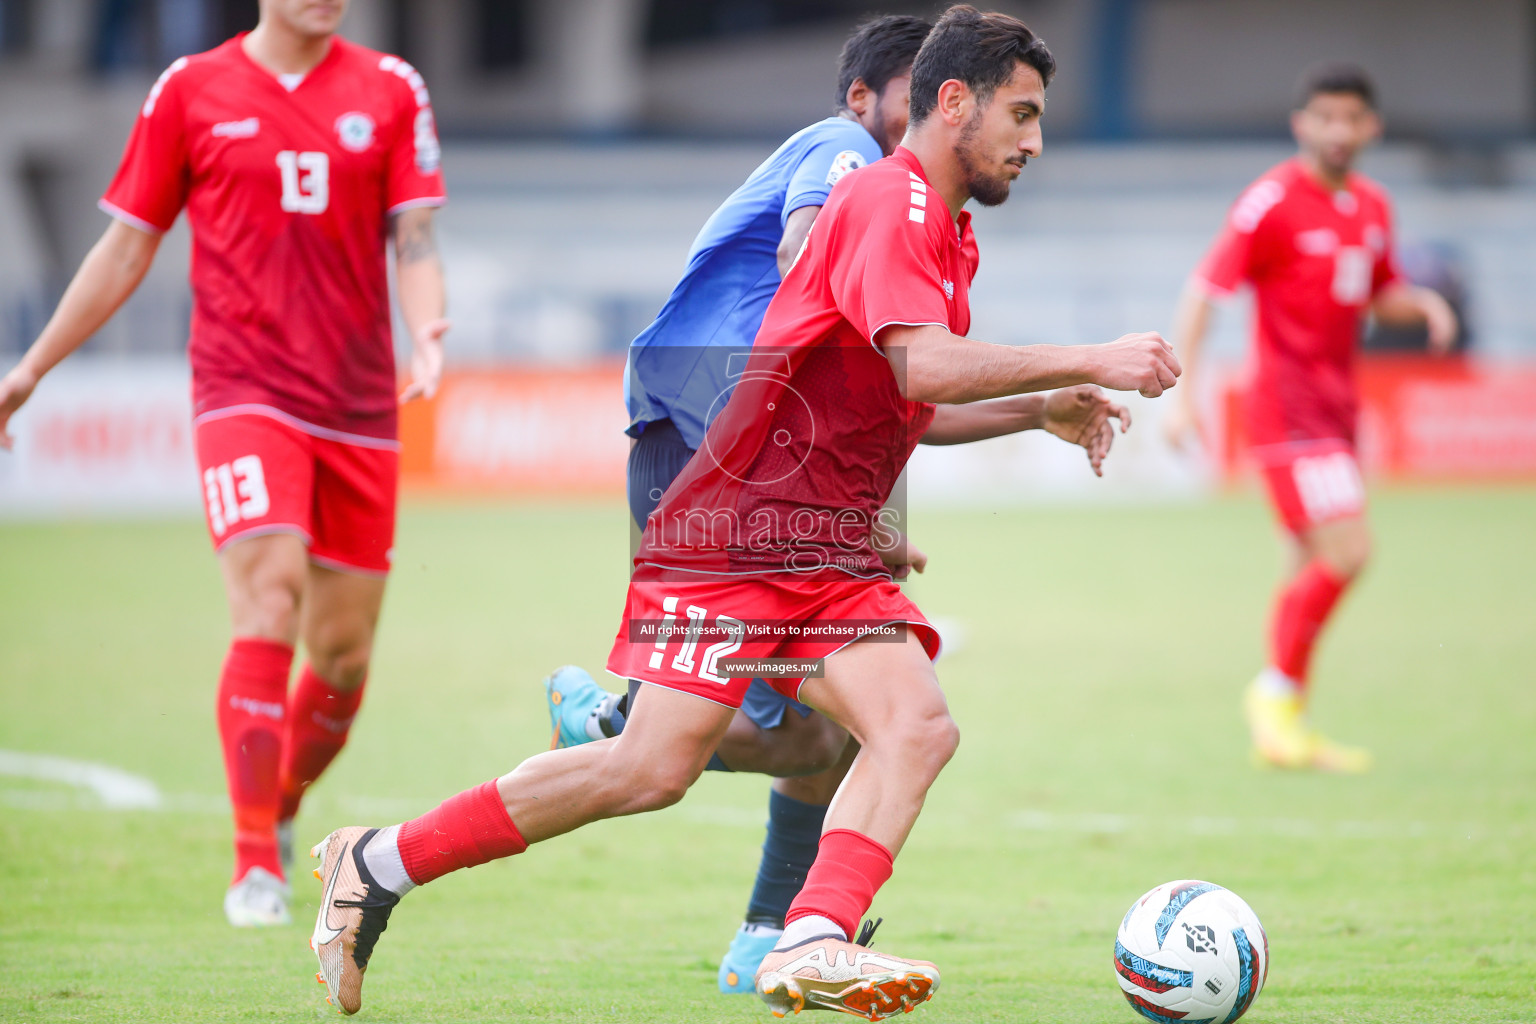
<point>426,360</point>
<point>1082,415</point>
<point>15,388</point>
<point>1181,425</point>
<point>1138,362</point>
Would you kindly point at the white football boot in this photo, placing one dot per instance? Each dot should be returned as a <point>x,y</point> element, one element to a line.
<point>354,911</point>
<point>831,973</point>
<point>258,900</point>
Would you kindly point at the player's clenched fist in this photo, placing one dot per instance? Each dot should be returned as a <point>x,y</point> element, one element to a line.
<point>15,388</point>
<point>1138,362</point>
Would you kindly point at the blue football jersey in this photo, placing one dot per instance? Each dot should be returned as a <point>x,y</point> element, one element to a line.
<point>679,366</point>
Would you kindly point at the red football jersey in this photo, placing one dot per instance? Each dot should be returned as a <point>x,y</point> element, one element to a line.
<point>288,193</point>
<point>1316,258</point>
<point>796,468</point>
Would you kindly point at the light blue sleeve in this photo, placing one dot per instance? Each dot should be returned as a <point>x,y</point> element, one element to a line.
<point>824,162</point>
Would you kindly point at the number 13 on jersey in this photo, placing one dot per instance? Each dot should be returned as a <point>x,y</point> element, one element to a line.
<point>306,181</point>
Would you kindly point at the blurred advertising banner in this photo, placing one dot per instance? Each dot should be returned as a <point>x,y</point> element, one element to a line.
<point>104,436</point>
<point>529,430</point>
<point>559,431</point>
<point>1427,419</point>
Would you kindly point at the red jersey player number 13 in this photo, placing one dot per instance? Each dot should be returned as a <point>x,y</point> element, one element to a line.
<point>298,155</point>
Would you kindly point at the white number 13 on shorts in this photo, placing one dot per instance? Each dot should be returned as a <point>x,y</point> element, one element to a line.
<point>236,490</point>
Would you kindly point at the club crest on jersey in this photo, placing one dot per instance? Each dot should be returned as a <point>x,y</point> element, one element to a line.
<point>355,131</point>
<point>949,289</point>
<point>847,160</point>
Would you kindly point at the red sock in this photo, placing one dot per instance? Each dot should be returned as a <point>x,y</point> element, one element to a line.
<point>850,868</point>
<point>253,692</point>
<point>1301,608</point>
<point>319,716</point>
<point>462,831</point>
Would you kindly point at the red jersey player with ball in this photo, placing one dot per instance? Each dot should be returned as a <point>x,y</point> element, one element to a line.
<point>1314,239</point>
<point>296,155</point>
<point>774,521</point>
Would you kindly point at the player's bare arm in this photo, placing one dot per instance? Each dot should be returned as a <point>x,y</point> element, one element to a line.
<point>962,424</point>
<point>423,298</point>
<point>1080,415</point>
<point>796,229</point>
<point>1191,321</point>
<point>1403,304</point>
<point>934,365</point>
<point>108,275</point>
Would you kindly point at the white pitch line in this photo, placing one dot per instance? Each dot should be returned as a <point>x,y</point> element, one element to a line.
<point>115,788</point>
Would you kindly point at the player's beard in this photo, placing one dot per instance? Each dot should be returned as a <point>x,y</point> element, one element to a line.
<point>986,189</point>
<point>1336,164</point>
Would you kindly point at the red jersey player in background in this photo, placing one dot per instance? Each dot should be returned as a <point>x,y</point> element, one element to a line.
<point>774,520</point>
<point>1314,239</point>
<point>296,155</point>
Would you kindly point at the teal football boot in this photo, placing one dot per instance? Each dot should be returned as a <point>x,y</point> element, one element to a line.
<point>573,696</point>
<point>738,970</point>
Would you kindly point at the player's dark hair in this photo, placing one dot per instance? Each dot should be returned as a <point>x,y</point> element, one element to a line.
<point>1336,80</point>
<point>879,50</point>
<point>981,50</point>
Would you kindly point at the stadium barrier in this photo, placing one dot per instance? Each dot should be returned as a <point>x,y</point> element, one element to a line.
<point>104,437</point>
<point>110,437</point>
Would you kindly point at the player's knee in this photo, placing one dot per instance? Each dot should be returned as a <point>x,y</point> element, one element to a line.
<point>1359,556</point>
<point>270,608</point>
<point>944,739</point>
<point>664,785</point>
<point>929,740</point>
<point>339,653</point>
<point>823,747</point>
<point>344,667</point>
<point>796,747</point>
<point>644,781</point>
<point>1347,556</point>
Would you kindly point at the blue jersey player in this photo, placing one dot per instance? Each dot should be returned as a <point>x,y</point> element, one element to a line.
<point>678,367</point>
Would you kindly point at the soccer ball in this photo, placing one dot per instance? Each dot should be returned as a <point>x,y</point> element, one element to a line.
<point>1191,953</point>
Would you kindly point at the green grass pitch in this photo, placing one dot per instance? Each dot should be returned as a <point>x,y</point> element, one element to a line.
<point>1102,753</point>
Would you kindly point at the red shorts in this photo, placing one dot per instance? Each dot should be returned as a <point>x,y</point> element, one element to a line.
<point>1312,482</point>
<point>266,472</point>
<point>700,623</point>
